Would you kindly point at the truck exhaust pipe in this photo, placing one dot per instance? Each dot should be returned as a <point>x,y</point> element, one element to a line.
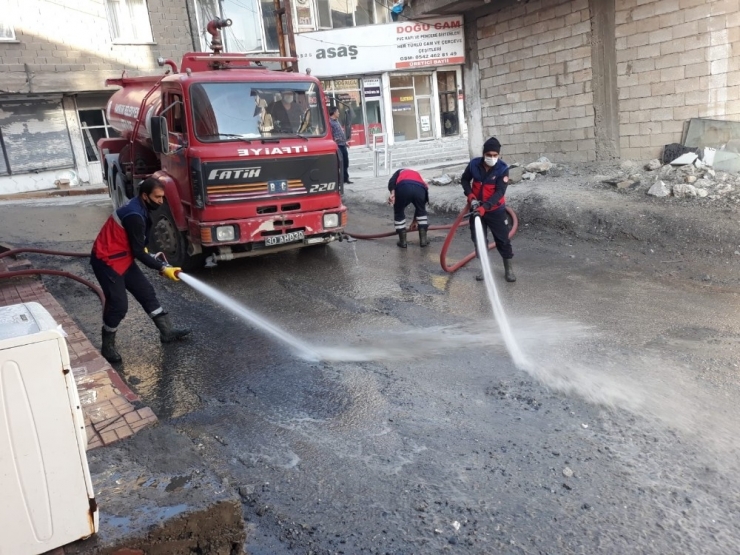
<point>214,28</point>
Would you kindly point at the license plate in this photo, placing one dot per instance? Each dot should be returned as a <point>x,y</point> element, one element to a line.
<point>293,236</point>
<point>280,186</point>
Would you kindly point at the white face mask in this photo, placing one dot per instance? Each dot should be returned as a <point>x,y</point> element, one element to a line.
<point>490,161</point>
<point>288,99</point>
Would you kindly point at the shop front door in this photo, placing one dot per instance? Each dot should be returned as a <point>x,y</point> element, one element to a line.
<point>447,87</point>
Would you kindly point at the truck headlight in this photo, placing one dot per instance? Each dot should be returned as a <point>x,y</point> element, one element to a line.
<point>225,233</point>
<point>331,220</point>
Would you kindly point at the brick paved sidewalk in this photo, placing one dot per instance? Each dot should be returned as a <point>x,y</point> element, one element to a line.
<point>112,411</point>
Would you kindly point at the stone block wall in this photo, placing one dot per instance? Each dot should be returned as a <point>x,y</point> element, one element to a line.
<point>676,60</point>
<point>535,79</point>
<point>66,46</point>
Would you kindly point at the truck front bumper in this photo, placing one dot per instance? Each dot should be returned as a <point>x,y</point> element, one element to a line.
<point>271,232</point>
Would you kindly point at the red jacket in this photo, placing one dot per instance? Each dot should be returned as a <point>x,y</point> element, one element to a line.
<point>488,185</point>
<point>112,245</point>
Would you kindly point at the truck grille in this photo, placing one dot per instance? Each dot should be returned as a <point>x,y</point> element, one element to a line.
<point>240,180</point>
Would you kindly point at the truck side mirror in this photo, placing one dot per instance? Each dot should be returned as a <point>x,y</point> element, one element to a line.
<point>160,135</point>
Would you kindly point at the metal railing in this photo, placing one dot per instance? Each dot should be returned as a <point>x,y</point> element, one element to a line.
<point>383,151</point>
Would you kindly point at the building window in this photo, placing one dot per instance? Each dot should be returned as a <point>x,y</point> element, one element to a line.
<point>129,21</point>
<point>7,32</point>
<point>336,14</point>
<point>253,28</point>
<point>95,126</point>
<point>7,21</point>
<point>33,137</point>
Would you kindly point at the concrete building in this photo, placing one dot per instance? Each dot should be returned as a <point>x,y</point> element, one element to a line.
<point>55,56</point>
<point>402,79</point>
<point>54,59</point>
<point>582,80</point>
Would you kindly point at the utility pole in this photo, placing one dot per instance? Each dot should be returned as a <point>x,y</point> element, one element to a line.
<point>286,38</point>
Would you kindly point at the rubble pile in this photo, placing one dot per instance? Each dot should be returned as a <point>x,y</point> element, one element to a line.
<point>686,177</point>
<point>517,173</point>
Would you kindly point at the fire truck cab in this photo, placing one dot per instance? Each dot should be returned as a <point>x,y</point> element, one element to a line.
<point>245,155</point>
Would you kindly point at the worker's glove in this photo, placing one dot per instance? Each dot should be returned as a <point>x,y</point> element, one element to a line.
<point>481,210</point>
<point>171,272</point>
<point>474,204</point>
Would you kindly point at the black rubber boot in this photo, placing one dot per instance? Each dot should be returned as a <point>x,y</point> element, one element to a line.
<point>402,239</point>
<point>509,271</point>
<point>168,334</point>
<point>423,241</point>
<point>109,347</point>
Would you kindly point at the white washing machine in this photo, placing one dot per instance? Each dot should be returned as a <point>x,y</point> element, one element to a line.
<point>45,487</point>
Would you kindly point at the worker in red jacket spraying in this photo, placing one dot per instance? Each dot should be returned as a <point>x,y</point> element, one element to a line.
<point>484,182</point>
<point>121,241</point>
<point>408,187</point>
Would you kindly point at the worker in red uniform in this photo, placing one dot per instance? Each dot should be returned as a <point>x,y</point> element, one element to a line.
<point>408,187</point>
<point>484,182</point>
<point>121,241</point>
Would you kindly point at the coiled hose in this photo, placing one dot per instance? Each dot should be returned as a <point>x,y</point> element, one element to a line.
<point>32,272</point>
<point>459,221</point>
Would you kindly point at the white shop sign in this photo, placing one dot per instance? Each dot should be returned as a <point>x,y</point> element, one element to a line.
<point>375,48</point>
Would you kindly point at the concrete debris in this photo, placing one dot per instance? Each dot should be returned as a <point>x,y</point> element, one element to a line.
<point>628,184</point>
<point>542,165</point>
<point>529,175</point>
<point>702,184</point>
<point>701,193</point>
<point>567,472</point>
<point>690,179</point>
<point>441,180</point>
<point>556,171</point>
<point>653,165</point>
<point>683,190</point>
<point>684,159</point>
<point>515,174</point>
<point>727,161</point>
<point>659,189</point>
<point>628,165</point>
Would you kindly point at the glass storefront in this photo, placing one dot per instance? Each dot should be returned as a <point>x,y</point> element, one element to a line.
<point>347,96</point>
<point>411,104</point>
<point>418,110</point>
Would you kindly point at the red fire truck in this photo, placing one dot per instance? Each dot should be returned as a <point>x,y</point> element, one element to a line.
<point>245,154</point>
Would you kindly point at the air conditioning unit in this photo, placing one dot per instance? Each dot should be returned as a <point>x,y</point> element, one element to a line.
<point>47,494</point>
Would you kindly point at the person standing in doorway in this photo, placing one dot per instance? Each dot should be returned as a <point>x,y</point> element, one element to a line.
<point>484,183</point>
<point>340,138</point>
<point>408,187</point>
<point>119,244</point>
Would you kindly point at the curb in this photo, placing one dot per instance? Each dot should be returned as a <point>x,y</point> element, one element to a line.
<point>50,193</point>
<point>112,410</point>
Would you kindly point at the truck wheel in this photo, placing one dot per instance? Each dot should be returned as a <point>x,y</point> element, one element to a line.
<point>118,191</point>
<point>166,238</point>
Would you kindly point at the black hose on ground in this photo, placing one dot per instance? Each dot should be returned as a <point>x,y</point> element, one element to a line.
<point>33,272</point>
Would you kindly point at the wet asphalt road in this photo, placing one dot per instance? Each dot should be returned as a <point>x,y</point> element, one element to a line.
<point>620,440</point>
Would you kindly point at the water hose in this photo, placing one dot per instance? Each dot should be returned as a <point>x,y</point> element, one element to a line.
<point>459,221</point>
<point>33,272</point>
<point>453,228</point>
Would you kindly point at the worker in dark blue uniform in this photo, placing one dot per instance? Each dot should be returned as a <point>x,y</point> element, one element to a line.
<point>121,241</point>
<point>408,187</point>
<point>484,182</point>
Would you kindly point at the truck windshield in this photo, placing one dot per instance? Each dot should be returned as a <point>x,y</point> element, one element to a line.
<point>244,111</point>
